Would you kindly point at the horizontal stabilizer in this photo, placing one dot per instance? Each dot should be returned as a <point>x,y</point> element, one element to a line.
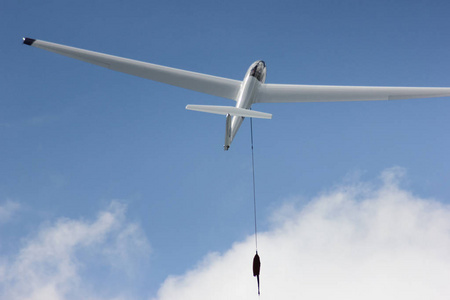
<point>231,110</point>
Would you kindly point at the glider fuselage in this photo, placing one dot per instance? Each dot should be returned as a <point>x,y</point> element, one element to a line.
<point>255,76</point>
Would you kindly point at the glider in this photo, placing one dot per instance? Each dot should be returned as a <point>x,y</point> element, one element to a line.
<point>252,89</point>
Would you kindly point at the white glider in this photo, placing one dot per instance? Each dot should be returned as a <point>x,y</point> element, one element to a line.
<point>252,89</point>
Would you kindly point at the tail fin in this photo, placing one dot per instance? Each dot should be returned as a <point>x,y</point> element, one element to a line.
<point>227,143</point>
<point>229,110</point>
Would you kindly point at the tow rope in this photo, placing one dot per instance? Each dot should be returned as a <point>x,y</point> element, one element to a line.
<point>256,260</point>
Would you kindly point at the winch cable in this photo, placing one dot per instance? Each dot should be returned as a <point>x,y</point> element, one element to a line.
<point>256,259</point>
<point>254,186</point>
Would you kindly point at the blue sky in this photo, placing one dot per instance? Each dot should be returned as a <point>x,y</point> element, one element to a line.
<point>80,142</point>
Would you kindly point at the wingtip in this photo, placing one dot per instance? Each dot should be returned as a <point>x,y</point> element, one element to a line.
<point>28,41</point>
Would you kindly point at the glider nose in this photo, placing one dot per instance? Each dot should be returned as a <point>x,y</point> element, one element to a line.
<point>259,71</point>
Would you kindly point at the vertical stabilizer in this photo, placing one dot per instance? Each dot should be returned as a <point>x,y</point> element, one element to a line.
<point>227,143</point>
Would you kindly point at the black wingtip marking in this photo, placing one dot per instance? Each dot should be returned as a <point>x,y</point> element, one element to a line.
<point>28,41</point>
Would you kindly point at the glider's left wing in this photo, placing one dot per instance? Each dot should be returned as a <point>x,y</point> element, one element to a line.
<point>213,85</point>
<point>325,93</point>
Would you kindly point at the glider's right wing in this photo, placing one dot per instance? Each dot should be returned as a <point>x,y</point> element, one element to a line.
<point>213,85</point>
<point>324,93</point>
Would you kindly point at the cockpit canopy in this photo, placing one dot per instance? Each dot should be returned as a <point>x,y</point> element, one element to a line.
<point>258,70</point>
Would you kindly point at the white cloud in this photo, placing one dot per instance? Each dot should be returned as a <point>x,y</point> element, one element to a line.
<point>7,210</point>
<point>49,266</point>
<point>357,241</point>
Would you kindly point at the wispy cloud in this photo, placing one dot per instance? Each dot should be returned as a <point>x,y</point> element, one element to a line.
<point>7,210</point>
<point>358,241</point>
<point>49,266</point>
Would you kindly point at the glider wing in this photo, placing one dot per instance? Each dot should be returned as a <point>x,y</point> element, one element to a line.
<point>326,93</point>
<point>213,85</point>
